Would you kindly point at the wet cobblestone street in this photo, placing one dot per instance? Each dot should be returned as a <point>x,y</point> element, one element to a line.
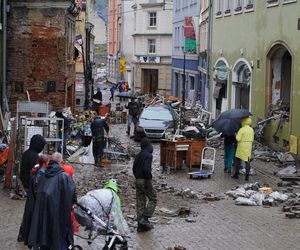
<point>218,224</point>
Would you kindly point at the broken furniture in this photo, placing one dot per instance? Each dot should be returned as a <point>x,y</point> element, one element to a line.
<point>207,162</point>
<point>173,154</point>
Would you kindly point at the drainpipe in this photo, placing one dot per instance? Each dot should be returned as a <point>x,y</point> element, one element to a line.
<point>4,55</point>
<point>208,55</point>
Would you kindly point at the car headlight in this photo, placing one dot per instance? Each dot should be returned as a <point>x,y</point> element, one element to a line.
<point>169,130</point>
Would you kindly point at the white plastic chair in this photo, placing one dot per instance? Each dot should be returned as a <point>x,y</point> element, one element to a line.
<point>210,160</point>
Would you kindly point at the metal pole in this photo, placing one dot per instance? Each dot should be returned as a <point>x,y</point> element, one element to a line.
<point>183,83</point>
<point>209,47</point>
<point>4,55</point>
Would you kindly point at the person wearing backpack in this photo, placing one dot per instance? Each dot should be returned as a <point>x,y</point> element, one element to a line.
<point>133,114</point>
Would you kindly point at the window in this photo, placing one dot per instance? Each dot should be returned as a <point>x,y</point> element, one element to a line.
<point>238,5</point>
<point>19,87</point>
<point>152,19</point>
<point>249,4</point>
<point>192,82</point>
<point>218,7</point>
<point>151,46</point>
<point>289,1</point>
<point>227,7</point>
<point>272,2</point>
<point>51,86</point>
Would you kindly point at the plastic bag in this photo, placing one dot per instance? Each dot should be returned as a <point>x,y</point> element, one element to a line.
<point>103,204</point>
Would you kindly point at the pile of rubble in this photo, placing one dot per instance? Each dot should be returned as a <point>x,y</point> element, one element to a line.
<point>257,195</point>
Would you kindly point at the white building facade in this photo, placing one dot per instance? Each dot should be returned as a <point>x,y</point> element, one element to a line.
<point>152,61</point>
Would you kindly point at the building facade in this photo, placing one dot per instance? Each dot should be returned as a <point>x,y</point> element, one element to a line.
<point>152,46</point>
<point>127,52</point>
<point>40,52</point>
<point>254,64</point>
<point>84,54</point>
<point>185,50</point>
<point>204,51</point>
<point>114,40</point>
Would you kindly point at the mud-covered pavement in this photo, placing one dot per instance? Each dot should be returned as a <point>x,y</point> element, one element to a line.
<point>210,225</point>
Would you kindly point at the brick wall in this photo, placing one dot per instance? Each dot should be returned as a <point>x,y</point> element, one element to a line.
<point>37,53</point>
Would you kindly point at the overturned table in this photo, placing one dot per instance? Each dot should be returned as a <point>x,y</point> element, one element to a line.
<point>173,153</point>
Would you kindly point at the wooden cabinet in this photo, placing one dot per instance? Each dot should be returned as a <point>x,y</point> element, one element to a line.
<point>174,153</point>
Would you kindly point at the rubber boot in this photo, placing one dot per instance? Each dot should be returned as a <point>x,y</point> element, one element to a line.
<point>247,177</point>
<point>128,130</point>
<point>144,225</point>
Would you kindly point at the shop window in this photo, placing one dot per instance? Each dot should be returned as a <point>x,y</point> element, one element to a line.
<point>77,101</point>
<point>51,86</point>
<point>19,87</point>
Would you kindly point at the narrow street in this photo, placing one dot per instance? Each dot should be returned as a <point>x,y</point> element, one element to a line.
<point>210,224</point>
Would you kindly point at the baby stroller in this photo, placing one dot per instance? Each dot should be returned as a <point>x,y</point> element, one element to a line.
<point>99,212</point>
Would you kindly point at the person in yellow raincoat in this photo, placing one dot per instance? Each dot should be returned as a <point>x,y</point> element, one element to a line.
<point>244,138</point>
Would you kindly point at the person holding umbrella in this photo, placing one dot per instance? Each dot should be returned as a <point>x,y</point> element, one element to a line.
<point>229,148</point>
<point>228,123</point>
<point>245,138</point>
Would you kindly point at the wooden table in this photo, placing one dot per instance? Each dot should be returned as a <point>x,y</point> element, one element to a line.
<point>174,153</point>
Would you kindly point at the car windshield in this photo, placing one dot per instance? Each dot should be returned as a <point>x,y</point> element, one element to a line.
<point>157,114</point>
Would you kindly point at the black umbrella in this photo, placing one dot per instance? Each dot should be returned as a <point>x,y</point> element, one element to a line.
<point>127,95</point>
<point>235,113</point>
<point>229,121</point>
<point>227,126</point>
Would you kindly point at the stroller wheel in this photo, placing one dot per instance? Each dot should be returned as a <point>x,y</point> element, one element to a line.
<point>77,248</point>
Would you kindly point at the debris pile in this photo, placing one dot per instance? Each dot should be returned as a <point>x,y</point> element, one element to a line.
<point>256,195</point>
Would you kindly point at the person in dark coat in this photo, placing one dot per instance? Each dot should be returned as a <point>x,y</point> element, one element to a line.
<point>112,92</point>
<point>51,225</point>
<point>145,194</point>
<point>229,148</point>
<point>98,126</point>
<point>29,158</point>
<point>133,114</point>
<point>97,100</point>
<point>28,161</point>
<point>37,172</point>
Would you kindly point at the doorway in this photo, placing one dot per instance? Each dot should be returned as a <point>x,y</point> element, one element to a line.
<point>150,77</point>
<point>279,84</point>
<point>241,82</point>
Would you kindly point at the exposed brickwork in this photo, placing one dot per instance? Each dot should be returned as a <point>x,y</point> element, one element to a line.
<point>38,51</point>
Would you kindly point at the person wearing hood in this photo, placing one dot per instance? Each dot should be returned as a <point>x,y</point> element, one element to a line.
<point>37,172</point>
<point>244,138</point>
<point>29,159</point>
<point>51,225</point>
<point>145,194</point>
